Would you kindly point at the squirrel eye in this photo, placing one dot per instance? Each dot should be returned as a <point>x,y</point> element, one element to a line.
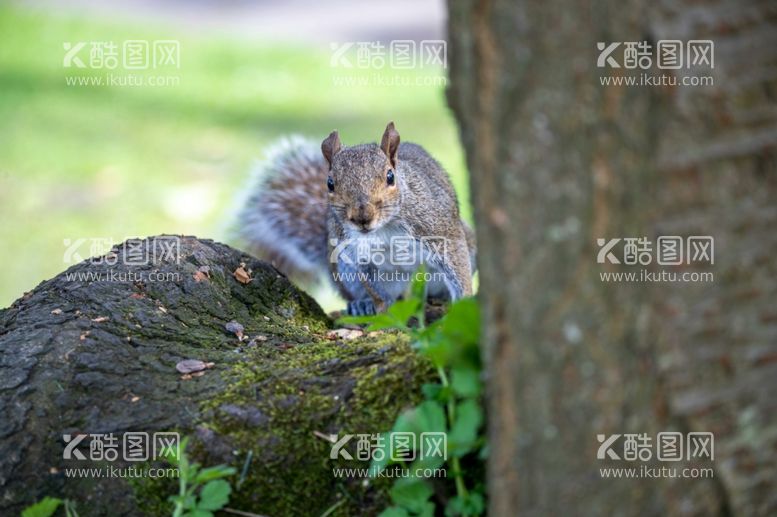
<point>390,177</point>
<point>330,183</point>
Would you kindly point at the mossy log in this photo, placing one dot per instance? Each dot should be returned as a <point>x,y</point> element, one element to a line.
<point>83,354</point>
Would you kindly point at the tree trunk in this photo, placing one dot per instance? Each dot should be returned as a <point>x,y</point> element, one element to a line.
<point>557,161</point>
<point>86,355</point>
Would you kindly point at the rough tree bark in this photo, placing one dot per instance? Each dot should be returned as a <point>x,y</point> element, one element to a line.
<point>86,355</point>
<point>557,161</point>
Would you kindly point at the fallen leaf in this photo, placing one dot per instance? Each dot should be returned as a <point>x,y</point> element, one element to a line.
<point>83,336</point>
<point>100,319</point>
<point>241,275</point>
<point>202,273</point>
<point>56,311</point>
<point>192,365</point>
<point>344,334</point>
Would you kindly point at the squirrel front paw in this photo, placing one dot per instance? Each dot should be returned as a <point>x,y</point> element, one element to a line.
<point>361,307</point>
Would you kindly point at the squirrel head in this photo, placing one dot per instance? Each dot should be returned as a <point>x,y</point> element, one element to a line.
<point>363,180</point>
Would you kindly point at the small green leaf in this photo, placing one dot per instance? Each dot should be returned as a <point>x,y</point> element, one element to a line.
<point>432,390</point>
<point>394,511</point>
<point>428,510</point>
<point>211,473</point>
<point>428,462</point>
<point>465,381</point>
<point>435,345</point>
<point>411,493</point>
<point>189,501</point>
<point>418,285</point>
<point>192,470</point>
<point>469,505</point>
<point>214,495</point>
<point>404,422</point>
<point>429,417</point>
<point>43,508</point>
<point>464,431</point>
<point>374,322</point>
<point>462,322</point>
<point>197,512</point>
<point>403,310</point>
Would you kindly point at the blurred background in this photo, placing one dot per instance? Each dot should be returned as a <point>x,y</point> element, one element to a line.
<point>168,149</point>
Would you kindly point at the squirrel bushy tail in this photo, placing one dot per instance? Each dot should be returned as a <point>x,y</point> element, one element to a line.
<point>274,222</point>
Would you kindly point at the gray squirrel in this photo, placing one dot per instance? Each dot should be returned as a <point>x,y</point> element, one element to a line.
<point>367,215</point>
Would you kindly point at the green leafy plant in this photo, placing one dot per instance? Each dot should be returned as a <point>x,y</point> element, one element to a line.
<point>451,405</point>
<point>201,491</point>
<point>48,505</point>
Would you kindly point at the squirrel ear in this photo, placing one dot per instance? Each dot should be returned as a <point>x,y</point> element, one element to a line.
<point>390,143</point>
<point>331,146</point>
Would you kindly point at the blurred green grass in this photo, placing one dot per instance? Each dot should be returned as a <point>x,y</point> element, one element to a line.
<point>122,161</point>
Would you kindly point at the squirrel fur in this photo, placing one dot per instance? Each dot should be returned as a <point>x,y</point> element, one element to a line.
<point>339,211</point>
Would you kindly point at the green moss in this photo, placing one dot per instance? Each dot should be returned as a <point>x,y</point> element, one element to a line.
<point>279,395</point>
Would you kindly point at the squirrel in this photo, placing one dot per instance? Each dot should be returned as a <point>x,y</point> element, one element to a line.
<point>368,214</point>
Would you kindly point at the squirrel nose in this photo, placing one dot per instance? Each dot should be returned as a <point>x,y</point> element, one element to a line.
<point>363,214</point>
